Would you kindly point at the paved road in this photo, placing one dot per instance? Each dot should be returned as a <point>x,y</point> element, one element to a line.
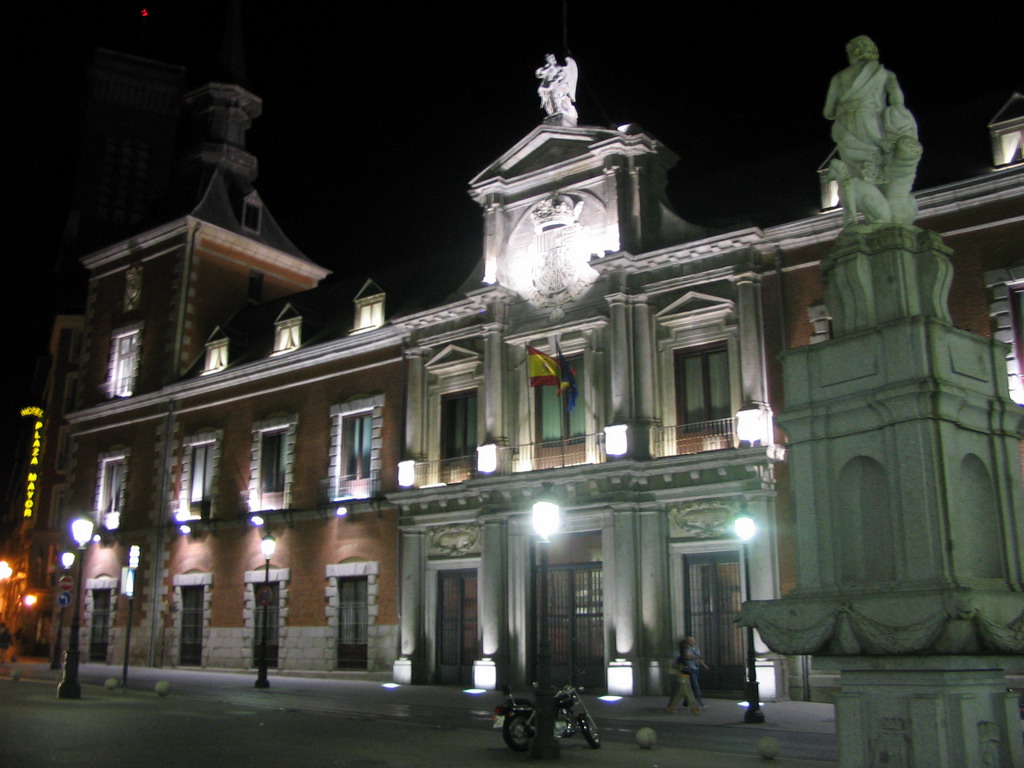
<point>217,719</point>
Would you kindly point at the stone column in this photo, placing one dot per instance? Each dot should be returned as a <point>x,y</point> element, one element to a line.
<point>621,585</point>
<point>653,597</point>
<point>753,380</point>
<point>415,426</point>
<point>619,373</point>
<point>643,379</point>
<point>494,384</point>
<point>410,666</point>
<point>492,593</point>
<point>493,238</point>
<point>518,599</point>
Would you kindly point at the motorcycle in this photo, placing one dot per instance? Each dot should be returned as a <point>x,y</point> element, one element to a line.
<point>516,719</point>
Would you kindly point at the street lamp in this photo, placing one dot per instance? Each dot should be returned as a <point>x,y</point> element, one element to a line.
<point>134,553</point>
<point>746,529</point>
<point>546,521</point>
<point>267,547</point>
<point>67,559</point>
<point>69,687</point>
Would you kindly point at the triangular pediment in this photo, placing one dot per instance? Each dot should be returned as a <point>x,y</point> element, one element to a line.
<point>369,290</point>
<point>288,313</point>
<point>695,305</point>
<point>543,147</point>
<point>453,357</point>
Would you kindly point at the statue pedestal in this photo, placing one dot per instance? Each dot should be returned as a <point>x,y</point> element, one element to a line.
<point>905,462</point>
<point>925,712</point>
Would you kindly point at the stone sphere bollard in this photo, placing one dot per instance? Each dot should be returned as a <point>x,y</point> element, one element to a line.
<point>768,747</point>
<point>162,688</point>
<point>646,737</point>
<point>16,675</point>
<point>110,683</point>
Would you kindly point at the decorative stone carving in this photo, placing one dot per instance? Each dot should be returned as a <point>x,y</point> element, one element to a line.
<point>889,744</point>
<point>553,270</point>
<point>454,540</point>
<point>701,520</point>
<point>557,90</point>
<point>132,288</point>
<point>876,138</point>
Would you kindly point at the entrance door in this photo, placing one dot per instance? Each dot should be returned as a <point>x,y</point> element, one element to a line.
<point>191,651</point>
<point>458,645</point>
<point>266,614</point>
<point>712,584</point>
<point>576,623</point>
<point>99,634</point>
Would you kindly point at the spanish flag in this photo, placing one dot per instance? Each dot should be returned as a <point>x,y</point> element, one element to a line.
<point>544,370</point>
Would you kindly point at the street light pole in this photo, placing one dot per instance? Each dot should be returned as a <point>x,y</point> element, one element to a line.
<point>69,687</point>
<point>746,528</point>
<point>67,559</point>
<point>134,554</point>
<point>544,744</point>
<point>267,547</point>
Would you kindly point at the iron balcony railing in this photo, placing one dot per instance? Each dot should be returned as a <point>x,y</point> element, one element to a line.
<point>344,487</point>
<point>698,437</point>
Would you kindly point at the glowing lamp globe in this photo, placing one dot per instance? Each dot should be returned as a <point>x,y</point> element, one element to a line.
<point>546,518</point>
<point>745,527</point>
<point>81,530</point>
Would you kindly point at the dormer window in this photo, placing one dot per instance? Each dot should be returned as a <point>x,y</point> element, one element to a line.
<point>252,212</point>
<point>216,355</point>
<point>1007,132</point>
<point>287,330</point>
<point>369,308</point>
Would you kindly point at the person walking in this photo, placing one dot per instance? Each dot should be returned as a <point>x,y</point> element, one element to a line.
<point>694,661</point>
<point>684,692</point>
<point>5,642</point>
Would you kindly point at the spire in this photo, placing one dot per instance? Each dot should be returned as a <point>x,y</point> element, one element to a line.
<point>231,60</point>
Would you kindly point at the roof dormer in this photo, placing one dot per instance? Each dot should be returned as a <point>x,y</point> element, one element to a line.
<point>216,352</point>
<point>1007,132</point>
<point>369,308</point>
<point>287,330</point>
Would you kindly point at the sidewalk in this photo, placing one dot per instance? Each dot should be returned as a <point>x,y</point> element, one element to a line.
<point>360,724</point>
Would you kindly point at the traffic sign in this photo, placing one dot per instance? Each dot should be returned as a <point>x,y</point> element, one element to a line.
<point>66,583</point>
<point>64,598</point>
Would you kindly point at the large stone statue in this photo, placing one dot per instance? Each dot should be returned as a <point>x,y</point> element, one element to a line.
<point>557,90</point>
<point>876,138</point>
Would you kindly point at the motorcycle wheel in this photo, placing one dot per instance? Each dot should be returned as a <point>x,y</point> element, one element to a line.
<point>589,730</point>
<point>517,732</point>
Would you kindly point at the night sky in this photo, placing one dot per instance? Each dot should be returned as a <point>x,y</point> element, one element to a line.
<point>376,116</point>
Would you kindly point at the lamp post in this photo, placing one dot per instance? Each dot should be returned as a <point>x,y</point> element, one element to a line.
<point>746,529</point>
<point>134,553</point>
<point>546,521</point>
<point>69,687</point>
<point>267,546</point>
<point>67,559</point>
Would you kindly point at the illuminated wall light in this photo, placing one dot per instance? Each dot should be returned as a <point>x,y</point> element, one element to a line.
<point>29,600</point>
<point>616,439</point>
<point>487,458</point>
<point>256,520</point>
<point>407,473</point>
<point>341,511</point>
<point>185,529</point>
<point>485,675</point>
<point>620,677</point>
<point>752,426</point>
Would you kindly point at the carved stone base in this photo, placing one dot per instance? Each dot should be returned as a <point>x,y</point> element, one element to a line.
<point>925,712</point>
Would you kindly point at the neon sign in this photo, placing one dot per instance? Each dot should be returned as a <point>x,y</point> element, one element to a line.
<point>33,461</point>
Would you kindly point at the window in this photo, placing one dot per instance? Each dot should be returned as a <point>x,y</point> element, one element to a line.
<point>355,449</point>
<point>201,478</point>
<point>252,212</point>
<point>272,467</point>
<point>554,420</point>
<point>216,356</point>
<point>192,612</point>
<point>353,619</point>
<point>272,463</point>
<point>369,308</point>
<point>124,363</point>
<point>287,330</point>
<point>703,400</point>
<point>111,491</point>
<point>458,436</point>
<point>458,425</point>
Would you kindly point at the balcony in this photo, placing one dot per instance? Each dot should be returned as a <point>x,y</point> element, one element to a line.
<point>698,437</point>
<point>345,487</point>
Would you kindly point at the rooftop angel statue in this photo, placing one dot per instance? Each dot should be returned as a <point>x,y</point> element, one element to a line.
<point>557,90</point>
